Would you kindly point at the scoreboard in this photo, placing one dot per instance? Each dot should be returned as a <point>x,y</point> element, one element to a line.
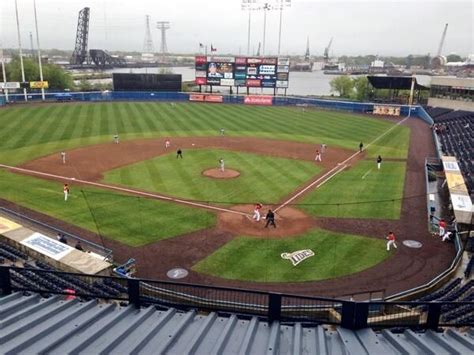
<point>261,72</point>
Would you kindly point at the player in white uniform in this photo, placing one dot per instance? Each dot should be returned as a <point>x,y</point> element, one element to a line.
<point>256,212</point>
<point>221,164</point>
<point>318,156</point>
<point>63,157</point>
<point>167,143</point>
<point>66,191</point>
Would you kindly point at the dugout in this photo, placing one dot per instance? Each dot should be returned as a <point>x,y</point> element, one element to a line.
<point>395,89</point>
<point>147,82</point>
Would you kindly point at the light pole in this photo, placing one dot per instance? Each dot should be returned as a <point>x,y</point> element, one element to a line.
<point>4,74</point>
<point>266,7</point>
<point>39,51</point>
<point>20,50</point>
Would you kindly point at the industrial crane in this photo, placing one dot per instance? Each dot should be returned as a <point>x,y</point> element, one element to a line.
<point>439,61</point>
<point>326,51</point>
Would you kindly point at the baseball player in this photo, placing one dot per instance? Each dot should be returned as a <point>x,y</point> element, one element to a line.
<point>221,164</point>
<point>167,143</point>
<point>270,217</point>
<point>66,191</point>
<point>116,139</point>
<point>63,157</point>
<point>447,236</point>
<point>442,227</point>
<point>391,241</point>
<point>361,147</point>
<point>379,162</point>
<point>318,155</point>
<point>222,131</point>
<point>179,153</point>
<point>323,147</point>
<point>256,212</point>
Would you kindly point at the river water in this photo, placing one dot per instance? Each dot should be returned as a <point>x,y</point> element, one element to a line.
<point>301,83</point>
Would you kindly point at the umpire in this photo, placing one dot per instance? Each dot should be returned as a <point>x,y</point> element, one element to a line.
<point>270,217</point>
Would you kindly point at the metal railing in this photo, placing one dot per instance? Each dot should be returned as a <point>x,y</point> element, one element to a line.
<point>271,306</point>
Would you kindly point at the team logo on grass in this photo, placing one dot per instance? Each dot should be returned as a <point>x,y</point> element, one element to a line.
<point>298,256</point>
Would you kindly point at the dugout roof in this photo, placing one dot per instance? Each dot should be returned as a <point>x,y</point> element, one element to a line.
<point>394,82</point>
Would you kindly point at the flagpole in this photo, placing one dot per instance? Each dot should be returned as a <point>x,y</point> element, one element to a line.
<point>21,52</point>
<point>39,51</point>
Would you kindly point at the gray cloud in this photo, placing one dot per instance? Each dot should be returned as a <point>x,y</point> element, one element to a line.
<point>358,27</point>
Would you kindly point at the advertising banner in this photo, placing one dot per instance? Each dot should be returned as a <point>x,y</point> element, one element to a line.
<point>213,81</point>
<point>214,98</point>
<point>201,81</point>
<point>195,97</point>
<point>260,100</point>
<point>284,61</point>
<point>241,61</point>
<point>267,70</point>
<point>201,73</point>
<point>47,246</point>
<point>253,83</point>
<point>282,76</point>
<point>227,82</point>
<point>221,59</point>
<point>281,84</point>
<point>10,86</point>
<point>39,85</point>
<point>386,110</point>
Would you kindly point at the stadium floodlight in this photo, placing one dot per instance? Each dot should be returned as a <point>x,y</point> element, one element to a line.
<point>4,74</point>
<point>265,5</point>
<point>20,50</point>
<point>39,51</point>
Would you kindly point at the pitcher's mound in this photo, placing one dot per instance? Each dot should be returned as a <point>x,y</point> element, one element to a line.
<point>218,174</point>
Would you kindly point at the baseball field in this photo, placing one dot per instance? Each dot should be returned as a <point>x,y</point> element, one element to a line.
<point>138,196</point>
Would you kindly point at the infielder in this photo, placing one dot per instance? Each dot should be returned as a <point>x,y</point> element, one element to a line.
<point>379,162</point>
<point>318,155</point>
<point>391,241</point>
<point>63,157</point>
<point>221,164</point>
<point>222,131</point>
<point>256,212</point>
<point>66,191</point>
<point>323,147</point>
<point>167,143</point>
<point>116,139</point>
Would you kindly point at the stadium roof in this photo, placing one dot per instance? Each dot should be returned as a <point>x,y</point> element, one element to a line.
<point>394,82</point>
<point>31,324</point>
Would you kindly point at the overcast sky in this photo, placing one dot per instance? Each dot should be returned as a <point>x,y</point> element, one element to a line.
<point>358,27</point>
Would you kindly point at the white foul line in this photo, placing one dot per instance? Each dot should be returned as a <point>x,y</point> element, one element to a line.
<point>122,189</point>
<point>336,170</point>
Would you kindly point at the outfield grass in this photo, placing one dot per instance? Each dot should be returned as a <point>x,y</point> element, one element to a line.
<point>254,259</point>
<point>263,178</point>
<point>392,145</point>
<point>348,194</point>
<point>134,221</point>
<point>30,131</point>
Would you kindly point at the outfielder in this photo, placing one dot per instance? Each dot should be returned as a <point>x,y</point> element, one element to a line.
<point>221,164</point>
<point>66,191</point>
<point>256,212</point>
<point>391,241</point>
<point>361,147</point>
<point>63,157</point>
<point>116,139</point>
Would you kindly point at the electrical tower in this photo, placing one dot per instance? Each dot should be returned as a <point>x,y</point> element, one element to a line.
<point>163,26</point>
<point>148,43</point>
<point>307,55</point>
<point>82,37</point>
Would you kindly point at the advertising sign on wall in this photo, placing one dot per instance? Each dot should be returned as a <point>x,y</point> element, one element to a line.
<point>261,100</point>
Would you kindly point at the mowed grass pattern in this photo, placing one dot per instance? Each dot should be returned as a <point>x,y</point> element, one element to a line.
<point>36,130</point>
<point>134,221</point>
<point>263,178</point>
<point>355,192</point>
<point>255,259</point>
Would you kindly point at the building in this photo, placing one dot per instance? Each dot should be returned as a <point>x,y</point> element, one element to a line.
<point>452,93</point>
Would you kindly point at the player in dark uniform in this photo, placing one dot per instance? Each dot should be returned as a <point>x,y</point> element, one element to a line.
<point>361,146</point>
<point>270,219</point>
<point>179,153</point>
<point>379,162</point>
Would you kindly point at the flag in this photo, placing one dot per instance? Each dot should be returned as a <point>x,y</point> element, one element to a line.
<point>201,45</point>
<point>213,49</point>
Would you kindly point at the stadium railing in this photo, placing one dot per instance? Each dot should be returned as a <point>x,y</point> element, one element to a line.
<point>330,104</point>
<point>271,306</point>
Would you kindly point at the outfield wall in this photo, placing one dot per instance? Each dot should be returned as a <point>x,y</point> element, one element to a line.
<point>340,105</point>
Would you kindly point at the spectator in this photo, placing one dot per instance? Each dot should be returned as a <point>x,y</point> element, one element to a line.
<point>79,246</point>
<point>62,238</point>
